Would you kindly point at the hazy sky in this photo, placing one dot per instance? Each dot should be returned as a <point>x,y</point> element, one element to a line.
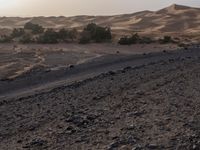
<point>83,7</point>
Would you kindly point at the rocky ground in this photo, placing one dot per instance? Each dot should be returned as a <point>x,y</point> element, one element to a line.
<point>18,59</point>
<point>155,106</point>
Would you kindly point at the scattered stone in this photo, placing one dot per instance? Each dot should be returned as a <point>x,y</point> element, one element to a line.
<point>70,130</point>
<point>113,145</point>
<point>111,73</point>
<point>36,143</point>
<point>136,113</point>
<point>19,141</point>
<point>152,146</point>
<point>71,66</point>
<point>164,51</point>
<point>138,147</point>
<point>127,68</point>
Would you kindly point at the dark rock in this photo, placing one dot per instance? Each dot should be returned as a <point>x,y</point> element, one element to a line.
<point>111,73</point>
<point>71,66</point>
<point>36,143</point>
<point>70,130</point>
<point>138,147</point>
<point>164,51</point>
<point>113,145</point>
<point>19,141</point>
<point>152,146</point>
<point>127,68</point>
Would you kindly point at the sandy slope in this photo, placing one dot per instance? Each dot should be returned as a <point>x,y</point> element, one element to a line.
<point>155,106</point>
<point>172,19</point>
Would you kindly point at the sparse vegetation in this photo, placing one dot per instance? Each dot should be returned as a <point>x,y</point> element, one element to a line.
<point>129,40</point>
<point>17,32</point>
<point>136,39</point>
<point>33,33</point>
<point>49,37</point>
<point>95,33</point>
<point>35,28</point>
<point>26,38</point>
<point>67,35</point>
<point>166,39</point>
<point>146,40</point>
<point>5,39</point>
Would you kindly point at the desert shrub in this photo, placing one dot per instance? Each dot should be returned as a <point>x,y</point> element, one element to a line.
<point>17,32</point>
<point>26,38</point>
<point>166,39</point>
<point>5,39</point>
<point>146,40</point>
<point>72,34</point>
<point>124,41</point>
<point>49,37</point>
<point>102,34</point>
<point>65,35</point>
<point>96,33</point>
<point>35,28</point>
<point>85,37</point>
<point>129,40</point>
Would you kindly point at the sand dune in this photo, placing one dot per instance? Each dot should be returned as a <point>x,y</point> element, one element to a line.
<point>172,19</point>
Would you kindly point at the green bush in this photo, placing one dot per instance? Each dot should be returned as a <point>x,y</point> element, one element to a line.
<point>85,37</point>
<point>166,39</point>
<point>72,34</point>
<point>17,32</point>
<point>26,38</point>
<point>96,33</point>
<point>146,40</point>
<point>129,40</point>
<point>124,41</point>
<point>49,37</point>
<point>35,28</point>
<point>65,35</point>
<point>5,39</point>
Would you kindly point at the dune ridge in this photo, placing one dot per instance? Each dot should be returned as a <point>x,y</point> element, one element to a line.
<point>172,19</point>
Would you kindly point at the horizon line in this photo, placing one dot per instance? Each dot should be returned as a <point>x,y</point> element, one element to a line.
<point>97,15</point>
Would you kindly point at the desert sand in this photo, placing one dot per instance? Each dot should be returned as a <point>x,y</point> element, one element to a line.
<point>176,20</point>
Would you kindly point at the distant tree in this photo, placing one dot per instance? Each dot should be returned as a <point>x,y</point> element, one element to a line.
<point>49,37</point>
<point>26,38</point>
<point>35,28</point>
<point>66,35</point>
<point>72,34</point>
<point>5,39</point>
<point>85,37</point>
<point>17,32</point>
<point>96,33</point>
<point>102,34</point>
<point>63,34</point>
